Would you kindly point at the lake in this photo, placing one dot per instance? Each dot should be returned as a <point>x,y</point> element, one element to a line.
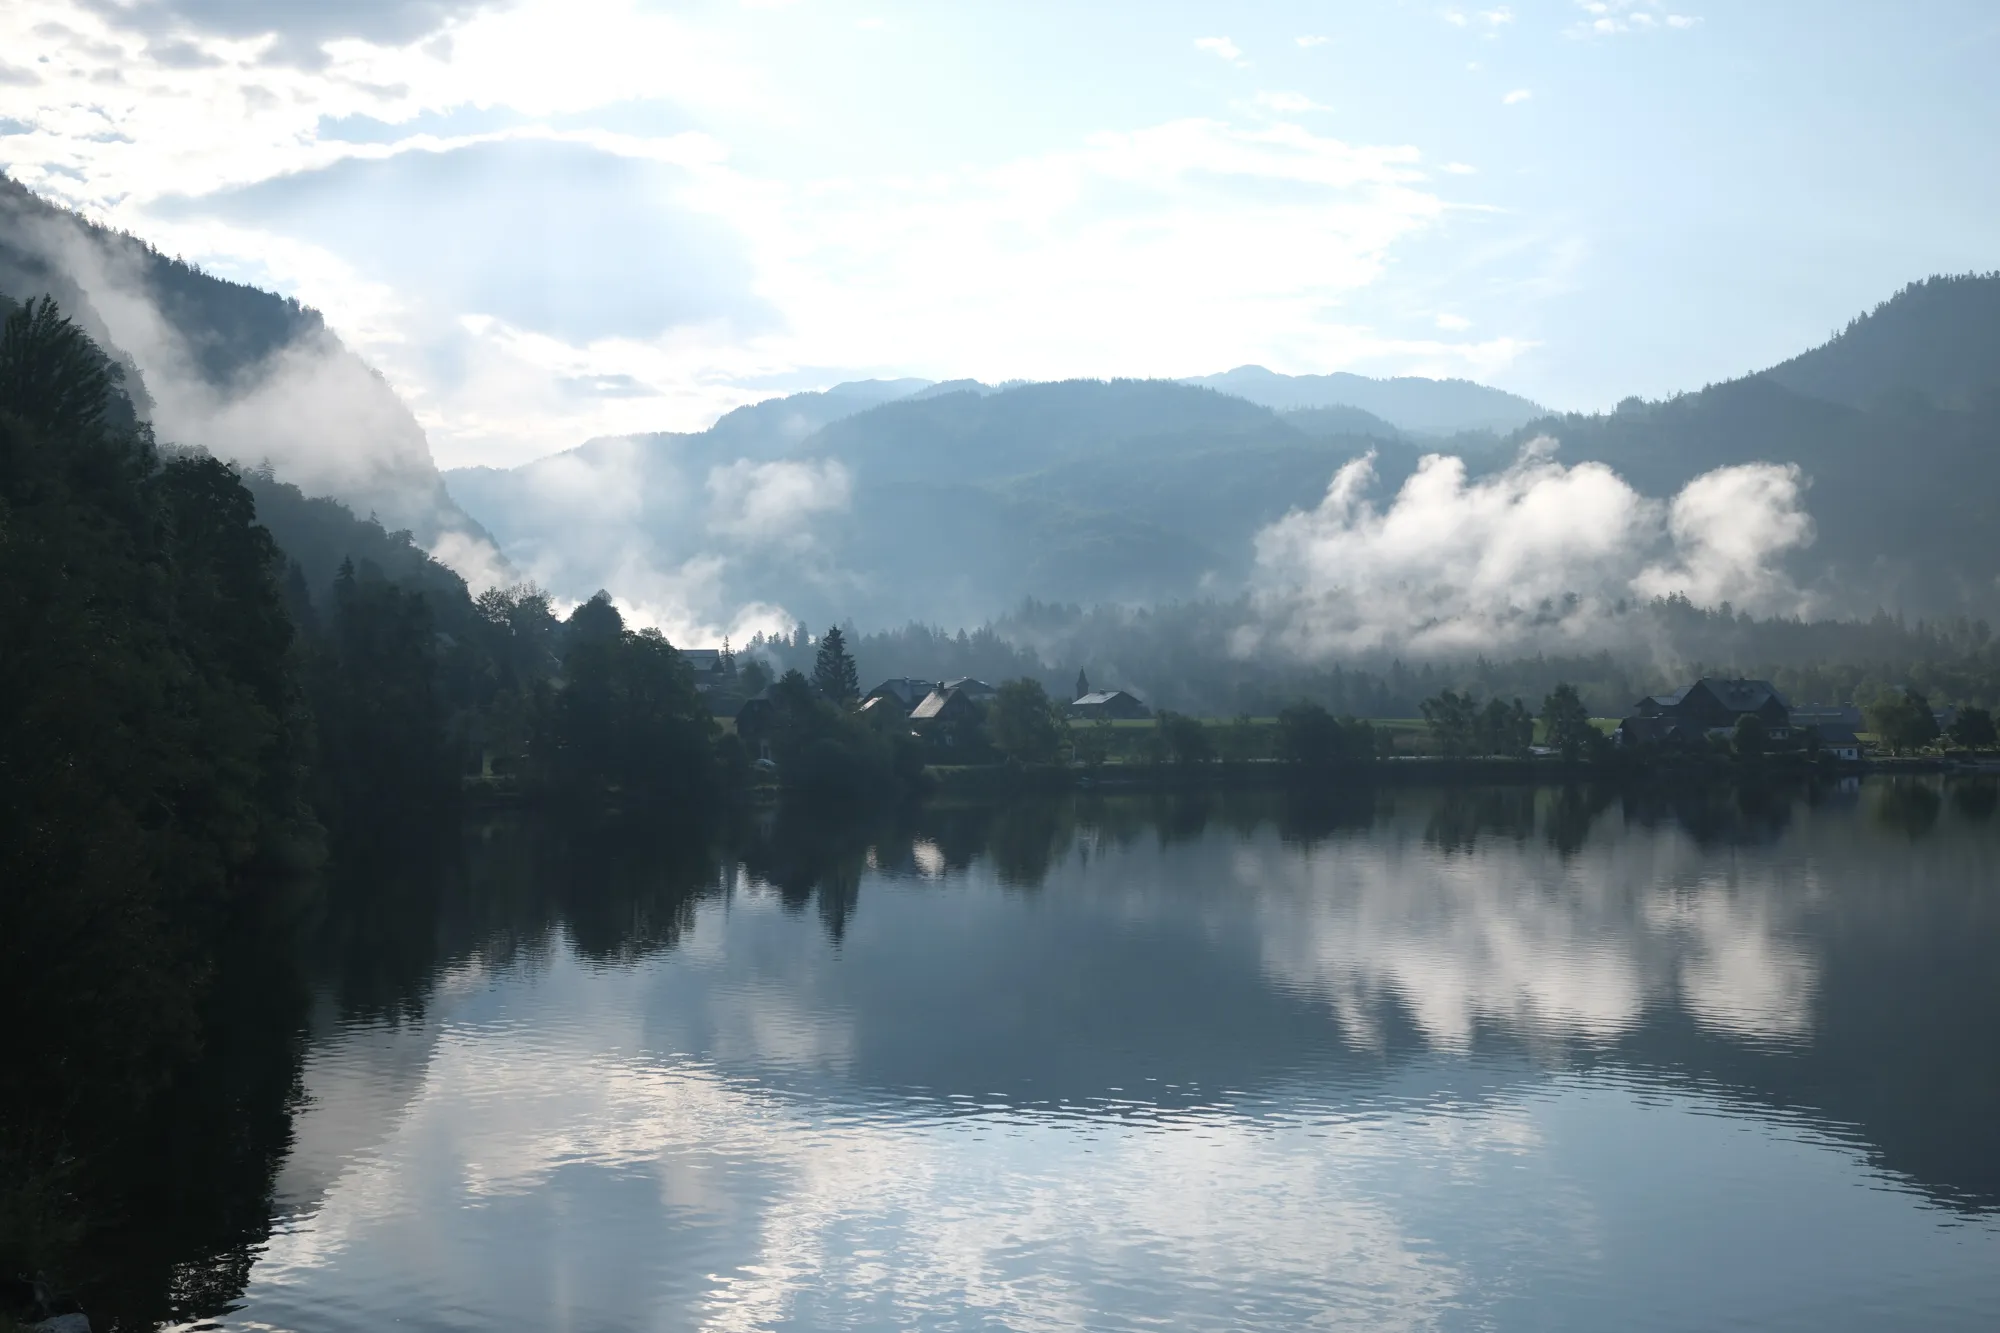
<point>1468,1059</point>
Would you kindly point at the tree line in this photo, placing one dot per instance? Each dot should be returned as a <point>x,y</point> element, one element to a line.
<point>1182,656</point>
<point>186,721</point>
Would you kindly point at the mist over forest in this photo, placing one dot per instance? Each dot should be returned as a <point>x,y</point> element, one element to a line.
<point>1219,543</point>
<point>806,665</point>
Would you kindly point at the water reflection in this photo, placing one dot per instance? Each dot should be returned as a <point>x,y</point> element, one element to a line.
<point>1392,1059</point>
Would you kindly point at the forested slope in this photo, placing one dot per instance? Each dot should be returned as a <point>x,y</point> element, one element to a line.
<point>202,683</point>
<point>240,372</point>
<point>1896,426</point>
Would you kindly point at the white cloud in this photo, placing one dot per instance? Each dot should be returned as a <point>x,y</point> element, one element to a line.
<point>1460,169</point>
<point>1049,267</point>
<point>1221,47</point>
<point>1310,40</point>
<point>1537,552</point>
<point>1288,103</point>
<point>1517,96</point>
<point>1453,323</point>
<point>1544,946</point>
<point>1609,18</point>
<point>1725,526</point>
<point>1040,266</point>
<point>772,502</point>
<point>475,560</point>
<point>668,536</point>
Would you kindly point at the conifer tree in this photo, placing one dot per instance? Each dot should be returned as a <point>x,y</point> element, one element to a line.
<point>834,675</point>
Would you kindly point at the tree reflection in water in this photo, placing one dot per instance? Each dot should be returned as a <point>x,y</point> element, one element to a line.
<point>1886,1029</point>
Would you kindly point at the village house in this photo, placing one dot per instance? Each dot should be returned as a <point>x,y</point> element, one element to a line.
<point>1839,742</point>
<point>1825,716</point>
<point>1710,706</point>
<point>905,692</point>
<point>976,690</point>
<point>1111,705</point>
<point>710,667</point>
<point>753,724</point>
<point>948,715</point>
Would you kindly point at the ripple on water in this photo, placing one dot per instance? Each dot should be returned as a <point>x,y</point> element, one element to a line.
<point>1221,1084</point>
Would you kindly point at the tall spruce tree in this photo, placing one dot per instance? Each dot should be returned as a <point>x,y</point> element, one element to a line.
<point>834,675</point>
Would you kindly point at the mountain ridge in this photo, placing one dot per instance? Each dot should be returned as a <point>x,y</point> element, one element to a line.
<point>1128,491</point>
<point>228,367</point>
<point>1411,403</point>
<point>1938,337</point>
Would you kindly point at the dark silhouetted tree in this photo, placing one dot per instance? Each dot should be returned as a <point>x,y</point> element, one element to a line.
<point>1973,729</point>
<point>1902,720</point>
<point>1312,739</point>
<point>1183,739</point>
<point>834,675</point>
<point>1566,724</point>
<point>1023,724</point>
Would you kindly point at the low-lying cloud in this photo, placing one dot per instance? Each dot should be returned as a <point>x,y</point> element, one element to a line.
<point>772,502</point>
<point>317,414</point>
<point>683,544</point>
<point>1537,555</point>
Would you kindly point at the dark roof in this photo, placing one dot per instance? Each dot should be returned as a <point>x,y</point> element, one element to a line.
<point>1743,696</point>
<point>1838,738</point>
<point>969,685</point>
<point>906,690</point>
<point>1096,697</point>
<point>937,701</point>
<point>1738,696</point>
<point>759,702</point>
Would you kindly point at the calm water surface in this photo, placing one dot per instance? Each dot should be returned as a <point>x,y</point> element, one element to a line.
<point>1425,1060</point>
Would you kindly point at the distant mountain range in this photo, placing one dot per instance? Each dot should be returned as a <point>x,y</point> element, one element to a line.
<point>882,501</point>
<point>956,500</point>
<point>952,505</point>
<point>1410,404</point>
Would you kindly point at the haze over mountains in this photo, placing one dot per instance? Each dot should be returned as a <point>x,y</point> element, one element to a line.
<point>884,501</point>
<point>948,503</point>
<point>952,502</point>
<point>248,375</point>
<point>1413,404</point>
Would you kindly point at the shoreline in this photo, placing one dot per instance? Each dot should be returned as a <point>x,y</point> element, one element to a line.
<point>1002,781</point>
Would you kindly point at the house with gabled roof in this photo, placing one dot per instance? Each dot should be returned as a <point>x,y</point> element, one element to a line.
<point>1111,705</point>
<point>1711,705</point>
<point>905,691</point>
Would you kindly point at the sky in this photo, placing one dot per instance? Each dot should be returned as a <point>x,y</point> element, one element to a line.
<point>546,220</point>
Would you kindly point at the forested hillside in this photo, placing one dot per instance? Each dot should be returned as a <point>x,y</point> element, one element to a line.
<point>950,504</point>
<point>202,682</point>
<point>1896,425</point>
<point>1409,403</point>
<point>241,372</point>
<point>1938,340</point>
<point>947,505</point>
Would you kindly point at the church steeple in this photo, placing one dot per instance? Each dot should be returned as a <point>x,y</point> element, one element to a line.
<point>1082,683</point>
